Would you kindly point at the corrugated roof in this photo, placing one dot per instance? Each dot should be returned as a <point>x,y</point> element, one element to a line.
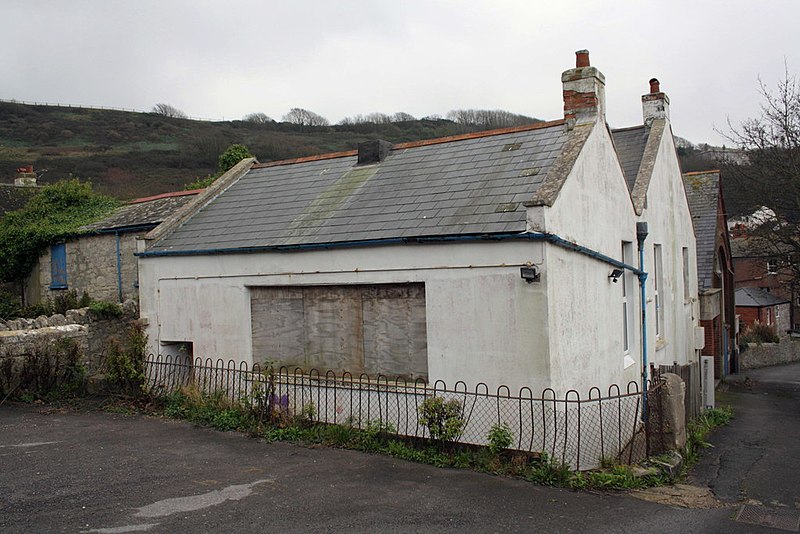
<point>702,192</point>
<point>465,186</point>
<point>756,297</point>
<point>630,143</point>
<point>143,212</point>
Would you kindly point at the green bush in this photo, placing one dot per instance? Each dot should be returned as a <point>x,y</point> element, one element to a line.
<point>124,362</point>
<point>499,438</point>
<point>55,212</point>
<point>444,419</point>
<point>233,155</point>
<point>105,310</point>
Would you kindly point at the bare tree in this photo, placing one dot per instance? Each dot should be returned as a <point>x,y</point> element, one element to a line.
<point>488,118</point>
<point>402,116</point>
<point>258,118</point>
<point>771,169</point>
<point>168,110</point>
<point>304,117</point>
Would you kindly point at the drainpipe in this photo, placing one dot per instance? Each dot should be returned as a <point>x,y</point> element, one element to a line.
<point>641,235</point>
<point>119,267</point>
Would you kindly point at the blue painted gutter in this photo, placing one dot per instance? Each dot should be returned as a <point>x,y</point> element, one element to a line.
<point>525,236</point>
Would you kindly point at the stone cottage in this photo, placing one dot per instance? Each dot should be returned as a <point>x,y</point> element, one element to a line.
<point>513,256</point>
<point>101,261</point>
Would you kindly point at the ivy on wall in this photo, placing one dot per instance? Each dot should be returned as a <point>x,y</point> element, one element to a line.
<point>55,212</point>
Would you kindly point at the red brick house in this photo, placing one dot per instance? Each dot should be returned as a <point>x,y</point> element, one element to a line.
<point>715,269</point>
<point>755,304</point>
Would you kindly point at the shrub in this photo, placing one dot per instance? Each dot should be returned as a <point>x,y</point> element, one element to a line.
<point>444,419</point>
<point>500,438</point>
<point>51,371</point>
<point>124,362</point>
<point>105,310</point>
<point>759,333</point>
<point>68,300</point>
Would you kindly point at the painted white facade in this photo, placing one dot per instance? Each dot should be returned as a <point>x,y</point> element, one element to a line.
<point>484,322</point>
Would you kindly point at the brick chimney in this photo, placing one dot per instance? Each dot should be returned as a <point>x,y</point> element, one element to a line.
<point>655,104</point>
<point>584,92</point>
<point>25,177</point>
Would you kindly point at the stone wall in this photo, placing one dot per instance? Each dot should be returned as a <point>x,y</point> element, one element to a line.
<point>766,354</point>
<point>91,267</point>
<point>20,338</point>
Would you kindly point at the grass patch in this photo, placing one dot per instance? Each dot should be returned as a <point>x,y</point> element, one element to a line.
<point>698,430</point>
<point>218,412</point>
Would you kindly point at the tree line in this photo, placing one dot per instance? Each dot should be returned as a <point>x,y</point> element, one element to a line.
<point>468,118</point>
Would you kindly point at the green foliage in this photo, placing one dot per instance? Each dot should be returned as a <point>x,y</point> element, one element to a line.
<point>233,155</point>
<point>698,430</point>
<point>444,419</point>
<point>379,437</point>
<point>56,212</point>
<point>124,362</point>
<point>106,310</point>
<point>499,438</point>
<point>201,183</point>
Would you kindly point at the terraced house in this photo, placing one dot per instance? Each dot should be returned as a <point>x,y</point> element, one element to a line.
<point>511,256</point>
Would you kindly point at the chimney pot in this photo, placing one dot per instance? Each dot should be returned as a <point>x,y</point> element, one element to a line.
<point>655,87</point>
<point>581,59</point>
<point>583,92</point>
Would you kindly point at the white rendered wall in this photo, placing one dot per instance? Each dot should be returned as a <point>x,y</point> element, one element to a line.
<point>484,323</point>
<point>593,209</point>
<point>670,224</point>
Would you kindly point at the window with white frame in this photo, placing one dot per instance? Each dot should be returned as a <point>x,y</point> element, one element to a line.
<point>627,297</point>
<point>772,266</point>
<point>658,291</point>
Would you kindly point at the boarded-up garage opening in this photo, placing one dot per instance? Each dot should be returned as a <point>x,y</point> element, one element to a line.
<point>373,329</point>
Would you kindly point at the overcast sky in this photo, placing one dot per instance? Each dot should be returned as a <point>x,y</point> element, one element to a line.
<point>225,59</point>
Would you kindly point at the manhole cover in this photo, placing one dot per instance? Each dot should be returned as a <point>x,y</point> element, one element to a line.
<point>782,518</point>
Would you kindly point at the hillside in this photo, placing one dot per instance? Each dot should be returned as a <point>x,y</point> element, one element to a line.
<point>129,154</point>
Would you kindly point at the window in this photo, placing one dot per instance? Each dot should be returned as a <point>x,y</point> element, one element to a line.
<point>58,266</point>
<point>627,292</point>
<point>772,267</point>
<point>658,291</point>
<point>686,286</point>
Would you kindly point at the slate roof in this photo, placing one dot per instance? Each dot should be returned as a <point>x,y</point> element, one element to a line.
<point>473,184</point>
<point>757,297</point>
<point>630,143</point>
<point>14,197</point>
<point>141,212</point>
<point>702,193</point>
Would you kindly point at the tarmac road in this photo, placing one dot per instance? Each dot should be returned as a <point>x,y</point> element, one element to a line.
<point>756,458</point>
<point>99,472</point>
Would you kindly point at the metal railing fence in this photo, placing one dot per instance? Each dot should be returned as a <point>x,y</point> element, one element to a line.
<point>582,432</point>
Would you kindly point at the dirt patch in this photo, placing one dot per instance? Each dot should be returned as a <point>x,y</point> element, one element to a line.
<point>681,495</point>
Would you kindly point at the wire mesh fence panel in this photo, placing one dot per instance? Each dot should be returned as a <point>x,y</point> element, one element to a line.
<point>581,432</point>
